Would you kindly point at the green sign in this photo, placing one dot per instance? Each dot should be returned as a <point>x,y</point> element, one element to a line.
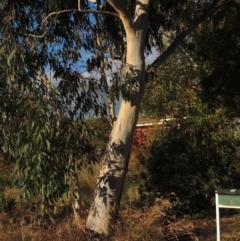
<point>229,197</point>
<point>225,198</point>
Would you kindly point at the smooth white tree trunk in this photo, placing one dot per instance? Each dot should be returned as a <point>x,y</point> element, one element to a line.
<point>104,209</point>
<point>114,165</point>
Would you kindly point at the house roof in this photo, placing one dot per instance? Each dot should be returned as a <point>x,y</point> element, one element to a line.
<point>151,122</point>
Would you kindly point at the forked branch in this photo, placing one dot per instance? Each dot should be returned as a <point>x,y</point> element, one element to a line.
<point>124,14</point>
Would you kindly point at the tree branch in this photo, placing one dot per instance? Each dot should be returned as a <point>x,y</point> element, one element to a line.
<point>189,57</point>
<point>124,14</point>
<point>73,11</point>
<point>166,54</point>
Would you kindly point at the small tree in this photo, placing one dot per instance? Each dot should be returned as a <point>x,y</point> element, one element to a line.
<point>217,54</point>
<point>37,125</point>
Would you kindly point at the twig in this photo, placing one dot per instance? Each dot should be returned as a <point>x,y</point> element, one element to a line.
<point>189,57</point>
<point>37,36</point>
<point>72,10</point>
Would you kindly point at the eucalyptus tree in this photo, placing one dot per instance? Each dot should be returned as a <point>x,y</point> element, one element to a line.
<point>42,95</point>
<point>143,23</point>
<point>56,34</point>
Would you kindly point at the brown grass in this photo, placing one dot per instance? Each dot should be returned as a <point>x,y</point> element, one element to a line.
<point>143,224</point>
<point>146,224</point>
<point>137,221</point>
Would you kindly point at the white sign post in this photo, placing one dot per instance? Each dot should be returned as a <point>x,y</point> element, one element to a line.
<point>226,198</point>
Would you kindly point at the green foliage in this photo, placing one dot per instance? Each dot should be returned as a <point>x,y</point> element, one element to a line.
<point>201,151</point>
<point>206,64</point>
<point>175,91</point>
<point>45,148</point>
<point>195,158</point>
<point>216,49</point>
<point>36,122</point>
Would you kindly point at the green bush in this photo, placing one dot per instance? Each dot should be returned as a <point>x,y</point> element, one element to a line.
<point>192,161</point>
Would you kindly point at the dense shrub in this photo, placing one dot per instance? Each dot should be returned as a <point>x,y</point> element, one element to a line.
<point>192,161</point>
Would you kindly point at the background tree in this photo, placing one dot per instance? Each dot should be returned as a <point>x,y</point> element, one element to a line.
<point>176,91</point>
<point>200,152</point>
<point>217,49</point>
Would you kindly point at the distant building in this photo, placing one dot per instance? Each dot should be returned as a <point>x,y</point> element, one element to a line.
<point>145,130</point>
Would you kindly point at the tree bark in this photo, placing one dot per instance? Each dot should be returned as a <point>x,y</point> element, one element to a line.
<point>105,206</point>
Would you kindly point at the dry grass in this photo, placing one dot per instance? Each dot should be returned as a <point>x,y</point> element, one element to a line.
<point>142,225</point>
<point>133,225</point>
<point>137,221</point>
